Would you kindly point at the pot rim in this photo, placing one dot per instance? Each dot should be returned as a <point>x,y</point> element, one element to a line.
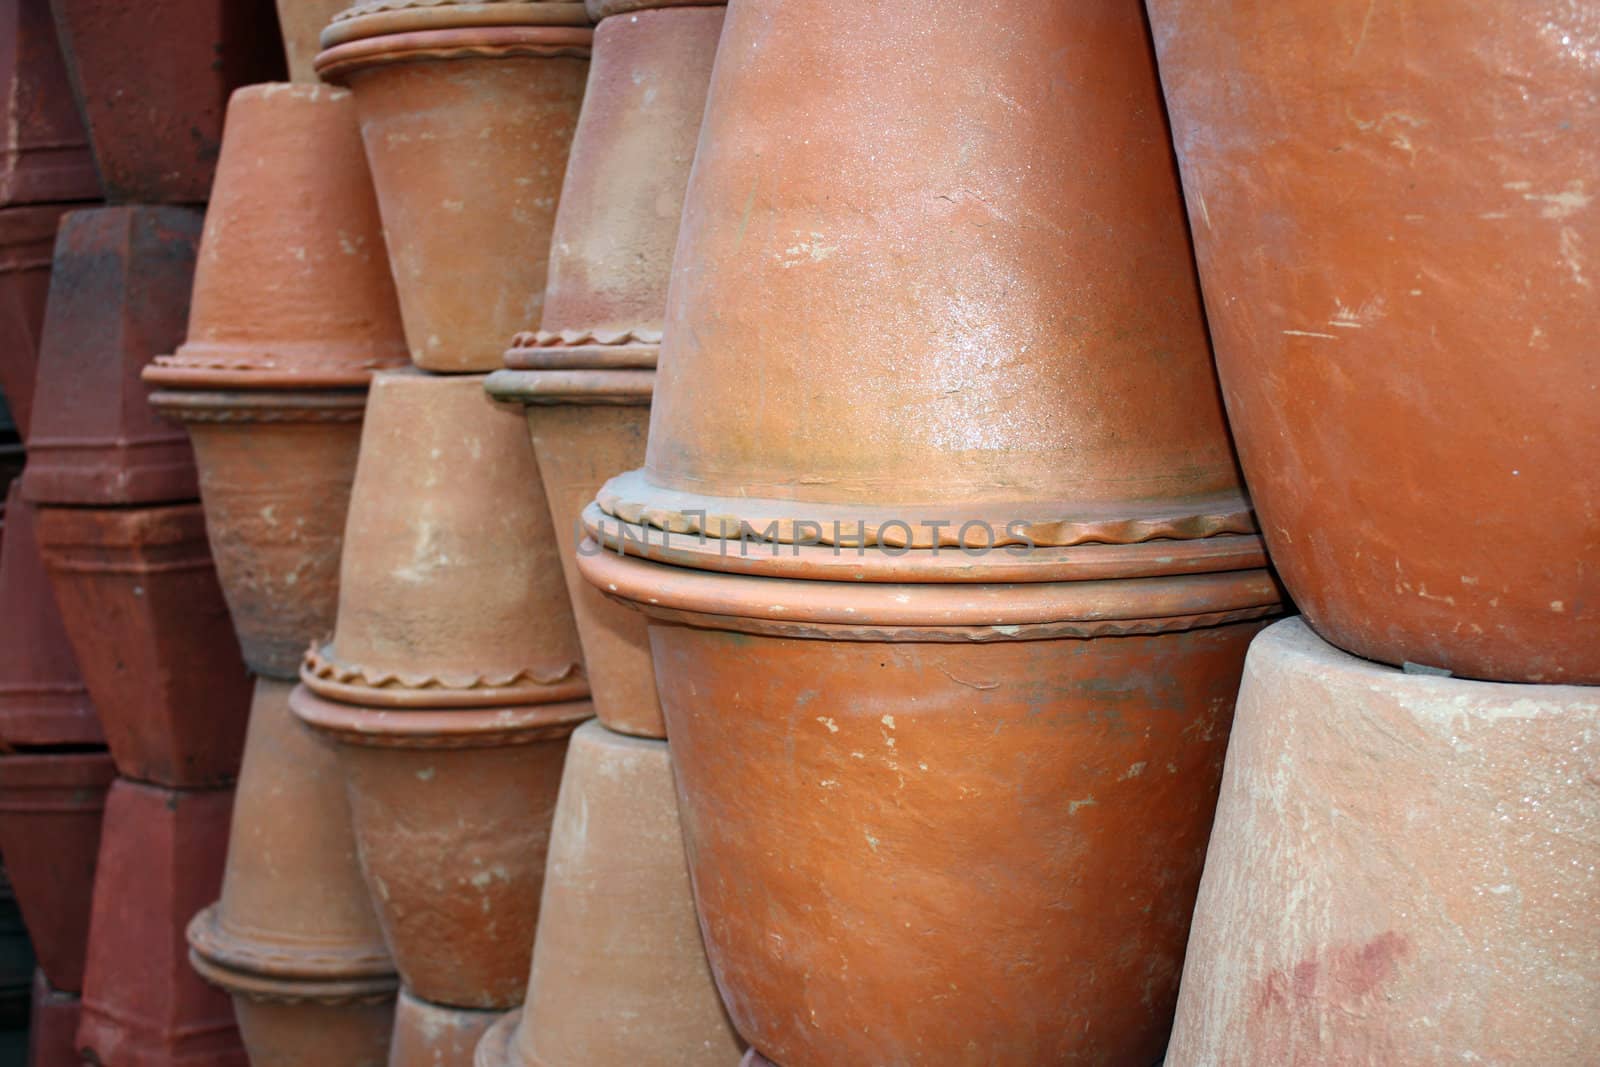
<point>349,683</point>
<point>239,952</point>
<point>495,1046</point>
<point>261,405</point>
<point>63,527</point>
<point>638,347</point>
<point>496,727</point>
<point>476,42</point>
<point>251,366</point>
<point>42,715</point>
<point>83,776</point>
<point>371,18</point>
<point>616,388</point>
<point>604,9</point>
<point>268,989</point>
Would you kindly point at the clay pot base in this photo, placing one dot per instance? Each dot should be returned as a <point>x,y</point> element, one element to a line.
<point>431,1035</point>
<point>384,17</point>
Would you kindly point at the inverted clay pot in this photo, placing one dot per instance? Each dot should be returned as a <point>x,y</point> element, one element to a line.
<point>27,245</point>
<point>292,285</point>
<point>294,937</point>
<point>42,697</point>
<point>433,1035</point>
<point>301,23</point>
<point>119,295</point>
<point>148,625</point>
<point>164,148</point>
<point>44,154</point>
<point>50,811</point>
<point>467,111</point>
<point>160,862</point>
<point>53,1026</point>
<point>619,972</point>
<point>1391,223</point>
<point>452,811</point>
<point>1401,870</point>
<point>450,594</point>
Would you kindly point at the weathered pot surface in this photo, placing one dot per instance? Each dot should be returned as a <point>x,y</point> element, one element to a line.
<point>1401,870</point>
<point>1412,397</point>
<point>44,154</point>
<point>27,243</point>
<point>603,9</point>
<point>434,1035</point>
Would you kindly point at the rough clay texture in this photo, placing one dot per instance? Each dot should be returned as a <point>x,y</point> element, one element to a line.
<point>27,242</point>
<point>1402,871</point>
<point>307,1033</point>
<point>431,1035</point>
<point>44,152</point>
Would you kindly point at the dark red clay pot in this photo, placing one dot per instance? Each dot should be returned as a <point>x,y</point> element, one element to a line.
<point>119,295</point>
<point>141,605</point>
<point>44,154</point>
<point>163,149</point>
<point>161,858</point>
<point>50,812</point>
<point>27,245</point>
<point>432,1035</point>
<point>42,697</point>
<point>53,1026</point>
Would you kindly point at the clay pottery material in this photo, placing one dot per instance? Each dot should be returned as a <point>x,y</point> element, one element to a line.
<point>432,1035</point>
<point>302,23</point>
<point>164,148</point>
<point>452,811</point>
<point>294,937</point>
<point>292,286</point>
<point>601,9</point>
<point>449,594</point>
<point>52,1026</point>
<point>140,602</point>
<point>119,295</point>
<point>160,861</point>
<point>45,154</point>
<point>27,243</point>
<point>467,111</point>
<point>752,1058</point>
<point>1401,870</point>
<point>619,972</point>
<point>1411,395</point>
<point>42,698</point>
<point>50,810</point>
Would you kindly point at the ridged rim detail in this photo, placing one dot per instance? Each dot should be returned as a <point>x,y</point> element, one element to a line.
<point>618,388</point>
<point>499,727</point>
<point>261,406</point>
<point>272,990</point>
<point>354,683</point>
<point>210,936</point>
<point>489,42</point>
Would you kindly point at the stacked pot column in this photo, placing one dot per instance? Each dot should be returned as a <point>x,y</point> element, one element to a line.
<point>453,678</point>
<point>943,311</point>
<point>1414,403</point>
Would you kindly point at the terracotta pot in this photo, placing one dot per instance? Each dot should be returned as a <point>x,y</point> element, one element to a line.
<point>600,9</point>
<point>27,242</point>
<point>140,602</point>
<point>160,861</point>
<point>302,23</point>
<point>432,1035</point>
<point>165,149</point>
<point>752,1058</point>
<point>449,594</point>
<point>50,809</point>
<point>619,972</point>
<point>45,154</point>
<point>452,815</point>
<point>292,286</point>
<point>275,472</point>
<point>119,294</point>
<point>1430,367</point>
<point>42,698</point>
<point>1401,870</point>
<point>52,1026</point>
<point>467,112</point>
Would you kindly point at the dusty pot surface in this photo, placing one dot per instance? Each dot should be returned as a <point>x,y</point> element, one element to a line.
<point>1401,870</point>
<point>450,593</point>
<point>284,1024</point>
<point>44,153</point>
<point>433,1035</point>
<point>600,9</point>
<point>1415,396</point>
<point>52,1026</point>
<point>119,294</point>
<point>160,862</point>
<point>148,625</point>
<point>50,810</point>
<point>27,243</point>
<point>275,473</point>
<point>619,971</point>
<point>752,1058</point>
<point>42,697</point>
<point>467,128</point>
<point>165,150</point>
<point>452,814</point>
<point>301,23</point>
<point>292,285</point>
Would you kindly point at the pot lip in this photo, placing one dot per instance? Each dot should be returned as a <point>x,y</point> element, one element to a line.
<point>494,1047</point>
<point>948,612</point>
<point>468,42</point>
<point>272,990</point>
<point>497,727</point>
<point>604,9</point>
<point>26,224</point>
<point>254,405</point>
<point>62,526</point>
<point>212,937</point>
<point>255,366</point>
<point>636,347</point>
<point>41,771</point>
<point>616,388</point>
<point>41,716</point>
<point>371,18</point>
<point>325,674</point>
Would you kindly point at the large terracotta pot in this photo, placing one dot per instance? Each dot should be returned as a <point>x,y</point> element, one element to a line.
<point>164,148</point>
<point>294,937</point>
<point>27,243</point>
<point>619,972</point>
<point>50,809</point>
<point>1402,870</point>
<point>450,595</point>
<point>160,862</point>
<point>53,1026</point>
<point>432,1035</point>
<point>140,602</point>
<point>302,23</point>
<point>44,155</point>
<point>1392,224</point>
<point>42,698</point>
<point>119,294</point>
<point>452,814</point>
<point>467,111</point>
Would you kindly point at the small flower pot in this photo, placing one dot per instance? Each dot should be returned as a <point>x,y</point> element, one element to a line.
<point>53,1026</point>
<point>44,153</point>
<point>433,1035</point>
<point>27,243</point>
<point>302,23</point>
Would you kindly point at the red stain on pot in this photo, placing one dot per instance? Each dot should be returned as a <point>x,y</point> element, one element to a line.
<point>44,153</point>
<point>27,245</point>
<point>1341,975</point>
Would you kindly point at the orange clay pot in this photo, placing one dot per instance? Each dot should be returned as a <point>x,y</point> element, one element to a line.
<point>1402,870</point>
<point>432,1035</point>
<point>292,286</point>
<point>450,594</point>
<point>600,9</point>
<point>27,242</point>
<point>302,23</point>
<point>44,152</point>
<point>294,937</point>
<point>619,972</point>
<point>141,605</point>
<point>452,814</point>
<point>467,111</point>
<point>1393,229</point>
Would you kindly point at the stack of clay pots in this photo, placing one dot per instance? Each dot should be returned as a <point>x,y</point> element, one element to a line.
<point>1396,224</point>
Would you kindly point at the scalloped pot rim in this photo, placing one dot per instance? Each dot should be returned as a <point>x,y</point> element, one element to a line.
<point>477,42</point>
<point>385,17</point>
